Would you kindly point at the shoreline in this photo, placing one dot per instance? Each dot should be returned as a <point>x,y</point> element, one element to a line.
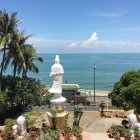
<point>97,92</point>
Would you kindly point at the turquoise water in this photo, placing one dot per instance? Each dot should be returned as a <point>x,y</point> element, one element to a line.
<point>79,68</point>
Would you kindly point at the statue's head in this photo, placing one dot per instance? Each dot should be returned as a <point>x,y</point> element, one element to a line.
<point>20,120</point>
<point>57,60</point>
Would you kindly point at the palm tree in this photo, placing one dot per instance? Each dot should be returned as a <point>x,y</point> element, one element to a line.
<point>14,52</point>
<point>29,54</point>
<point>21,55</point>
<point>8,26</point>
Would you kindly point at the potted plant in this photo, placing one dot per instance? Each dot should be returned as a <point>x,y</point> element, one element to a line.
<point>45,128</point>
<point>117,136</point>
<point>137,134</point>
<point>77,132</point>
<point>66,132</point>
<point>118,130</point>
<point>122,132</point>
<point>8,135</point>
<point>114,130</point>
<point>77,115</point>
<point>127,134</point>
<point>102,106</point>
<point>34,133</point>
<point>8,131</point>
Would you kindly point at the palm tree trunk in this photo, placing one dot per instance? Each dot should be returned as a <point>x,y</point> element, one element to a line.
<point>2,66</point>
<point>15,69</point>
<point>24,73</point>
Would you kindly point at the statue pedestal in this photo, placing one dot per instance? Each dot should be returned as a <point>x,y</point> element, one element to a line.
<point>58,101</point>
<point>60,119</point>
<point>59,104</point>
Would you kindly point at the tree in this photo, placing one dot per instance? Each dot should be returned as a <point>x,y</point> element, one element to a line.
<point>19,94</point>
<point>14,52</point>
<point>126,92</point>
<point>29,54</point>
<point>3,103</point>
<point>8,25</point>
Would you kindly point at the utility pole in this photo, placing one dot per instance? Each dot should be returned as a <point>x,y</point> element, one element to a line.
<point>94,68</point>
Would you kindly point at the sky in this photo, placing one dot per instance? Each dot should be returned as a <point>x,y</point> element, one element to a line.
<point>79,26</point>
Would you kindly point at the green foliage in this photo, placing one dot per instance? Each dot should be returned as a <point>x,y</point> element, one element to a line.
<point>77,115</point>
<point>3,102</point>
<point>51,135</point>
<point>8,135</point>
<point>102,105</point>
<point>53,112</point>
<point>29,121</point>
<point>36,112</point>
<point>45,128</point>
<point>29,91</point>
<point>67,129</point>
<point>76,131</point>
<point>8,129</point>
<point>126,92</point>
<point>34,133</point>
<point>117,128</point>
<point>8,25</point>
<point>19,94</point>
<point>15,49</point>
<point>43,137</point>
<point>137,133</point>
<point>8,124</point>
<point>127,133</point>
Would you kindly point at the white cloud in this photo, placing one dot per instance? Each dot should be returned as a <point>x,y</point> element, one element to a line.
<point>93,44</point>
<point>93,37</point>
<point>73,45</point>
<point>112,44</point>
<point>91,40</point>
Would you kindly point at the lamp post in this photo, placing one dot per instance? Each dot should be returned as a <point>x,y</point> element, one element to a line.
<point>94,68</point>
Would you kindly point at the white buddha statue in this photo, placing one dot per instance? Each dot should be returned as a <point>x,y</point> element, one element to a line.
<point>133,120</point>
<point>20,128</point>
<point>57,77</point>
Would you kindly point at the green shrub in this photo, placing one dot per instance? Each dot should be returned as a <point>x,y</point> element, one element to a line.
<point>127,133</point>
<point>137,133</point>
<point>126,92</point>
<point>8,124</point>
<point>29,121</point>
<point>52,135</point>
<point>19,94</point>
<point>3,102</point>
<point>36,112</point>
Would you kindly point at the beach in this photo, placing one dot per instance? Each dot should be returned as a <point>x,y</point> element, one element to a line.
<point>97,92</point>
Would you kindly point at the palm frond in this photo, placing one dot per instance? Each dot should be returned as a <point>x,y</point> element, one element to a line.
<point>40,59</point>
<point>3,41</point>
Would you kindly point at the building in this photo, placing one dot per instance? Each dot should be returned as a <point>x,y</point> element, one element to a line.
<point>72,94</point>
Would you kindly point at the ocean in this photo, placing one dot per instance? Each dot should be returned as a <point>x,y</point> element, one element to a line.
<point>78,68</point>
